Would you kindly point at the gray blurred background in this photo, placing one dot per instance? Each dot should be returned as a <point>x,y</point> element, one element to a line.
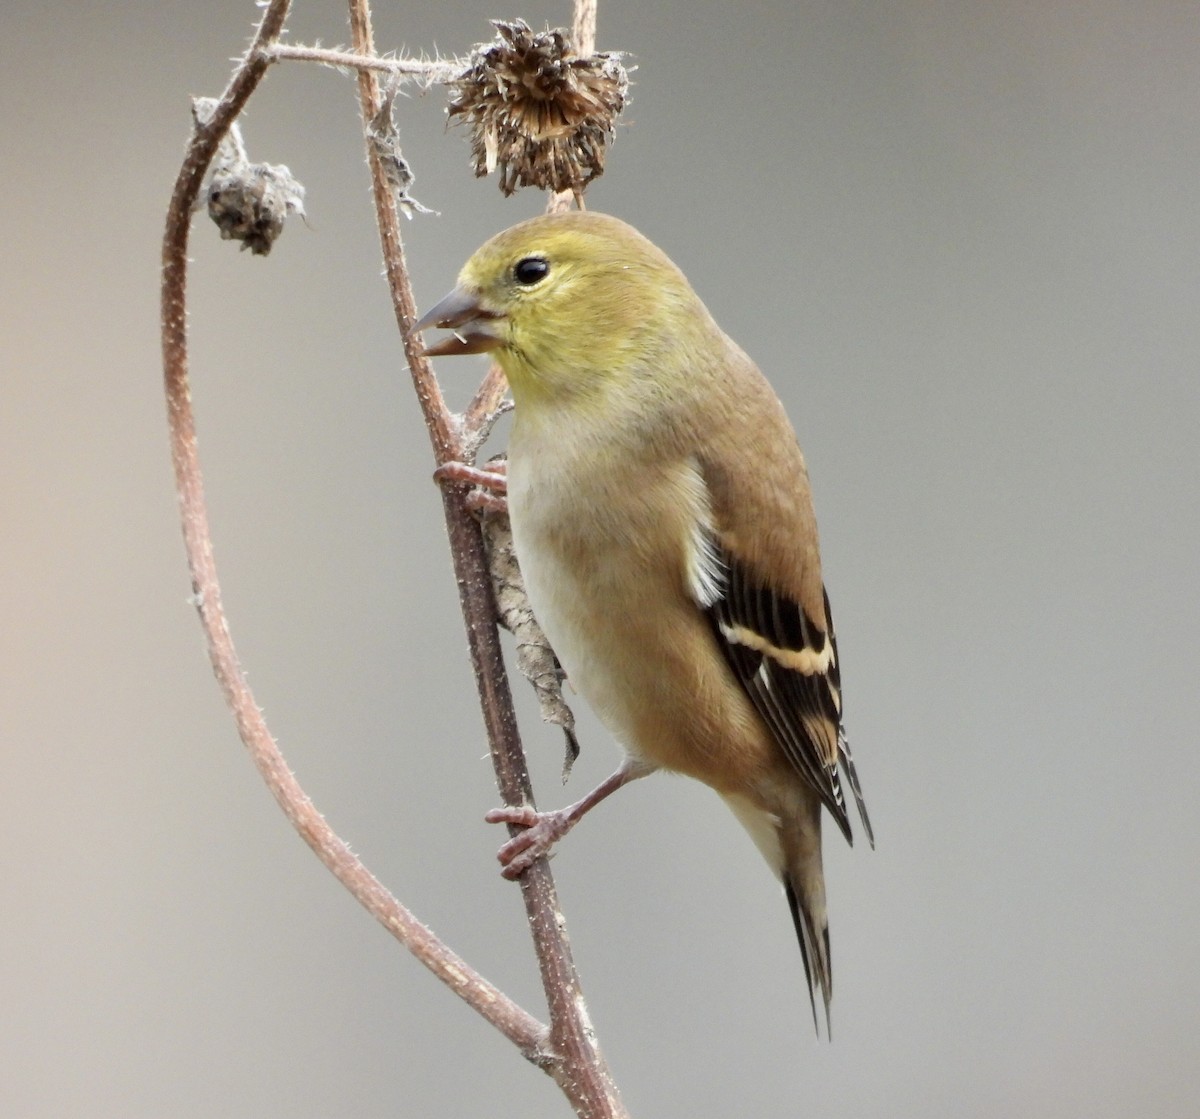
<point>963,240</point>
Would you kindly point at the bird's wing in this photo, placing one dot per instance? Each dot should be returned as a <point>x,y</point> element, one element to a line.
<point>787,663</point>
<point>766,601</point>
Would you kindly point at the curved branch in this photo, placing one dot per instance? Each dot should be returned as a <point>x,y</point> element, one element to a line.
<point>518,1025</point>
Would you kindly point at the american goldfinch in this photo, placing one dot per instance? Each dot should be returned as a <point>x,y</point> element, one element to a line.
<point>661,512</point>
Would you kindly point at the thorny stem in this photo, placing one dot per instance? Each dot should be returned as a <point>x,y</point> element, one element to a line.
<point>576,1063</point>
<point>514,1022</point>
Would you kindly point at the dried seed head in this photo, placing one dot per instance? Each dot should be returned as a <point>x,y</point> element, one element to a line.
<point>539,113</point>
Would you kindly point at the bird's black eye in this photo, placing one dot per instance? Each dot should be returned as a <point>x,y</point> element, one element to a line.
<point>530,269</point>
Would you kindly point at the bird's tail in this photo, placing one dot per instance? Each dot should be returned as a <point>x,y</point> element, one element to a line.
<point>813,933</point>
<point>804,884</point>
<point>791,844</point>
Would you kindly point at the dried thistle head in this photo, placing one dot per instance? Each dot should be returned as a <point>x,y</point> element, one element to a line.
<point>539,113</point>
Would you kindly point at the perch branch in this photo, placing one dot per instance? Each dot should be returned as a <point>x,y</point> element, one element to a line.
<point>577,1065</point>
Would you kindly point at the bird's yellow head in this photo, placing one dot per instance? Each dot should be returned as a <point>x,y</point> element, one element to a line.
<point>568,303</point>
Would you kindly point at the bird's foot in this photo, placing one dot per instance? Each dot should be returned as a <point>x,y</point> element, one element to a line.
<point>540,832</point>
<point>489,486</point>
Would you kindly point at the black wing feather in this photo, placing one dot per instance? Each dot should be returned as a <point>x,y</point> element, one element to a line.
<point>802,709</point>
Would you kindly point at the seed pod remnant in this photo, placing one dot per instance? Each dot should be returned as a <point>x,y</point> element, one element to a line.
<point>249,202</point>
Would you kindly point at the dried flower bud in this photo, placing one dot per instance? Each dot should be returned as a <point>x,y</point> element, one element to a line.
<point>539,113</point>
<point>248,201</point>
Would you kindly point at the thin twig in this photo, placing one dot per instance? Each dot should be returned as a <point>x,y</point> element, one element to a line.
<point>577,1065</point>
<point>481,412</point>
<point>434,72</point>
<point>583,39</point>
<point>583,27</point>
<point>516,1024</point>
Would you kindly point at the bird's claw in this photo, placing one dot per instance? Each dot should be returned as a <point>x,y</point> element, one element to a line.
<point>540,831</point>
<point>489,486</point>
<point>479,501</point>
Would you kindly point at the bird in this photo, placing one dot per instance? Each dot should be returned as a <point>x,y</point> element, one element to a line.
<point>663,520</point>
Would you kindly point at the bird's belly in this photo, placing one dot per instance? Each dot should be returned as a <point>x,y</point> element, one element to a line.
<point>635,645</point>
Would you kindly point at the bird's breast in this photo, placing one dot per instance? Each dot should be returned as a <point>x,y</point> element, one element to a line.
<point>581,571</point>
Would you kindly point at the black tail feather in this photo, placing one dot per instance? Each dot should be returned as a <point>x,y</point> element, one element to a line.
<point>814,950</point>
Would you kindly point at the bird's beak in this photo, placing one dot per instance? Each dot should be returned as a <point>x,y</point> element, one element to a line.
<point>473,325</point>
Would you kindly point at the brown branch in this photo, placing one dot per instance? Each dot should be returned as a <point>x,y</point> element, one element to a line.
<point>576,1063</point>
<point>514,1022</point>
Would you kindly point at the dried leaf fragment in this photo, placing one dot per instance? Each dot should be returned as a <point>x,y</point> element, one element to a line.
<point>539,113</point>
<point>385,142</point>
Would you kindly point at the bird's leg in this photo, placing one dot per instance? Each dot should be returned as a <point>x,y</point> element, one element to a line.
<point>490,485</point>
<point>543,829</point>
